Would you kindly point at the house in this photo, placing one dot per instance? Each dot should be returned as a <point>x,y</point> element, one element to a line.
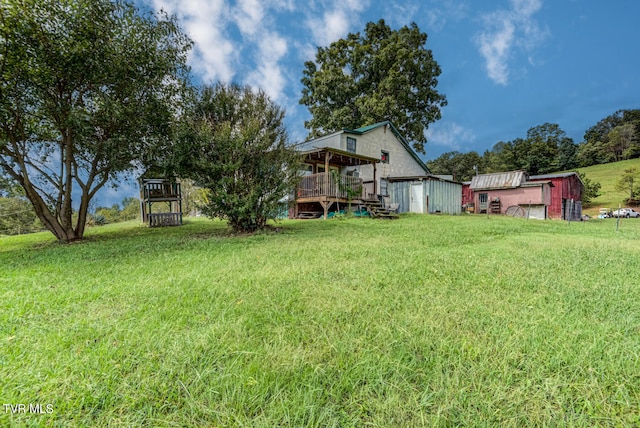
<point>380,159</point>
<point>566,194</point>
<point>511,193</point>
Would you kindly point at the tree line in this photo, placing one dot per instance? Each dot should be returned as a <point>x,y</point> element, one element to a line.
<point>546,149</point>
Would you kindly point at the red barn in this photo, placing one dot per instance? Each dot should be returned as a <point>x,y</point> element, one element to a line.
<point>566,194</point>
<point>467,197</point>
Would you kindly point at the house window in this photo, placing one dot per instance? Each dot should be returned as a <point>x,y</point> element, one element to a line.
<point>351,144</point>
<point>384,156</point>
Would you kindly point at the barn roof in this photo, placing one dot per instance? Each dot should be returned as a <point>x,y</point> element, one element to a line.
<point>498,180</point>
<point>556,175</point>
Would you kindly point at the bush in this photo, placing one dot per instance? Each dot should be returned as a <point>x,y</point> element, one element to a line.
<point>234,144</point>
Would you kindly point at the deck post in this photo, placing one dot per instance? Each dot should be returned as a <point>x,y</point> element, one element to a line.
<point>375,187</point>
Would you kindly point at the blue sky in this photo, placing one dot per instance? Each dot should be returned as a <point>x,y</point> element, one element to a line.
<point>507,65</point>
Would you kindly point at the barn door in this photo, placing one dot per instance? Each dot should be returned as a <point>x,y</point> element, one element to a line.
<point>417,198</point>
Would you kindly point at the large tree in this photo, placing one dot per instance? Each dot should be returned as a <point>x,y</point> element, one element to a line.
<point>363,79</point>
<point>628,182</point>
<point>85,87</point>
<point>233,143</point>
<point>545,142</point>
<point>591,188</point>
<point>462,166</point>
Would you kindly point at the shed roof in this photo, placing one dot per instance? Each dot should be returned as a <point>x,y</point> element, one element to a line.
<point>498,180</point>
<point>556,175</point>
<point>421,177</point>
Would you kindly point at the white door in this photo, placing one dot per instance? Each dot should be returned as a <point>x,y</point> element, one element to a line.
<point>417,199</point>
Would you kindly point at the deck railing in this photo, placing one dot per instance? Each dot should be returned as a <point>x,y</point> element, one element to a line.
<point>165,219</point>
<point>330,185</point>
<point>161,190</point>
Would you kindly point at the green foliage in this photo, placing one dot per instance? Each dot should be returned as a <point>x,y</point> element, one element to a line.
<point>17,217</point>
<point>546,149</point>
<point>130,211</point>
<point>623,142</point>
<point>612,139</point>
<point>98,220</point>
<point>234,144</point>
<point>462,166</point>
<point>86,88</point>
<point>593,153</point>
<point>9,187</point>
<point>383,74</point>
<point>591,188</point>
<point>629,182</point>
<point>325,324</point>
<point>192,196</point>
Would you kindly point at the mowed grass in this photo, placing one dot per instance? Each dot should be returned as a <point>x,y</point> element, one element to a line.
<point>607,175</point>
<point>423,321</point>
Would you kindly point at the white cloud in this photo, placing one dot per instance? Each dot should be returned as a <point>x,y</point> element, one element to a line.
<point>437,17</point>
<point>213,56</point>
<point>249,16</point>
<point>269,74</point>
<point>335,22</point>
<point>504,32</point>
<point>449,134</point>
<point>218,57</point>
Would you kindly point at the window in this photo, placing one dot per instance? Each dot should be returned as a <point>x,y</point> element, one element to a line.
<point>351,144</point>
<point>384,156</point>
<point>483,199</point>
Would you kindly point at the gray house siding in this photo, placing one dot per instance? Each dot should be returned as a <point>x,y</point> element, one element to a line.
<point>371,141</point>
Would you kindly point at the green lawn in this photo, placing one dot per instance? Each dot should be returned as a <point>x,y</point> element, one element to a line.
<point>607,175</point>
<point>423,321</point>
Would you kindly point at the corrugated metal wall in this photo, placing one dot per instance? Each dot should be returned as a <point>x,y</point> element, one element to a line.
<point>442,197</point>
<point>399,193</point>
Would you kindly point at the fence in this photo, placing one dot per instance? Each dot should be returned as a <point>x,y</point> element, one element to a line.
<point>330,185</point>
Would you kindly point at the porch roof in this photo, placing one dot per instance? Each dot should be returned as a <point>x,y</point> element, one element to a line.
<point>337,157</point>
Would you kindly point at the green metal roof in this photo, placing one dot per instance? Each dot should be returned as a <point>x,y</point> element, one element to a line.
<point>370,127</point>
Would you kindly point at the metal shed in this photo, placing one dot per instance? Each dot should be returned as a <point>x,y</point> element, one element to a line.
<point>425,194</point>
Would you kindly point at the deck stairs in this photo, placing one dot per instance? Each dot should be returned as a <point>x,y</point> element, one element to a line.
<point>377,210</point>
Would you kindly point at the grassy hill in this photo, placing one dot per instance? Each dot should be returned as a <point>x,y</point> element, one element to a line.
<point>424,321</point>
<point>607,175</point>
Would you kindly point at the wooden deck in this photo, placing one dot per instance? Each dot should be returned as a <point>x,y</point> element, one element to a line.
<point>327,189</point>
<point>325,185</point>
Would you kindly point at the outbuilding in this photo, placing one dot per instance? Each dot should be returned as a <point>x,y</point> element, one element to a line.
<point>566,194</point>
<point>425,194</point>
<point>511,193</point>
